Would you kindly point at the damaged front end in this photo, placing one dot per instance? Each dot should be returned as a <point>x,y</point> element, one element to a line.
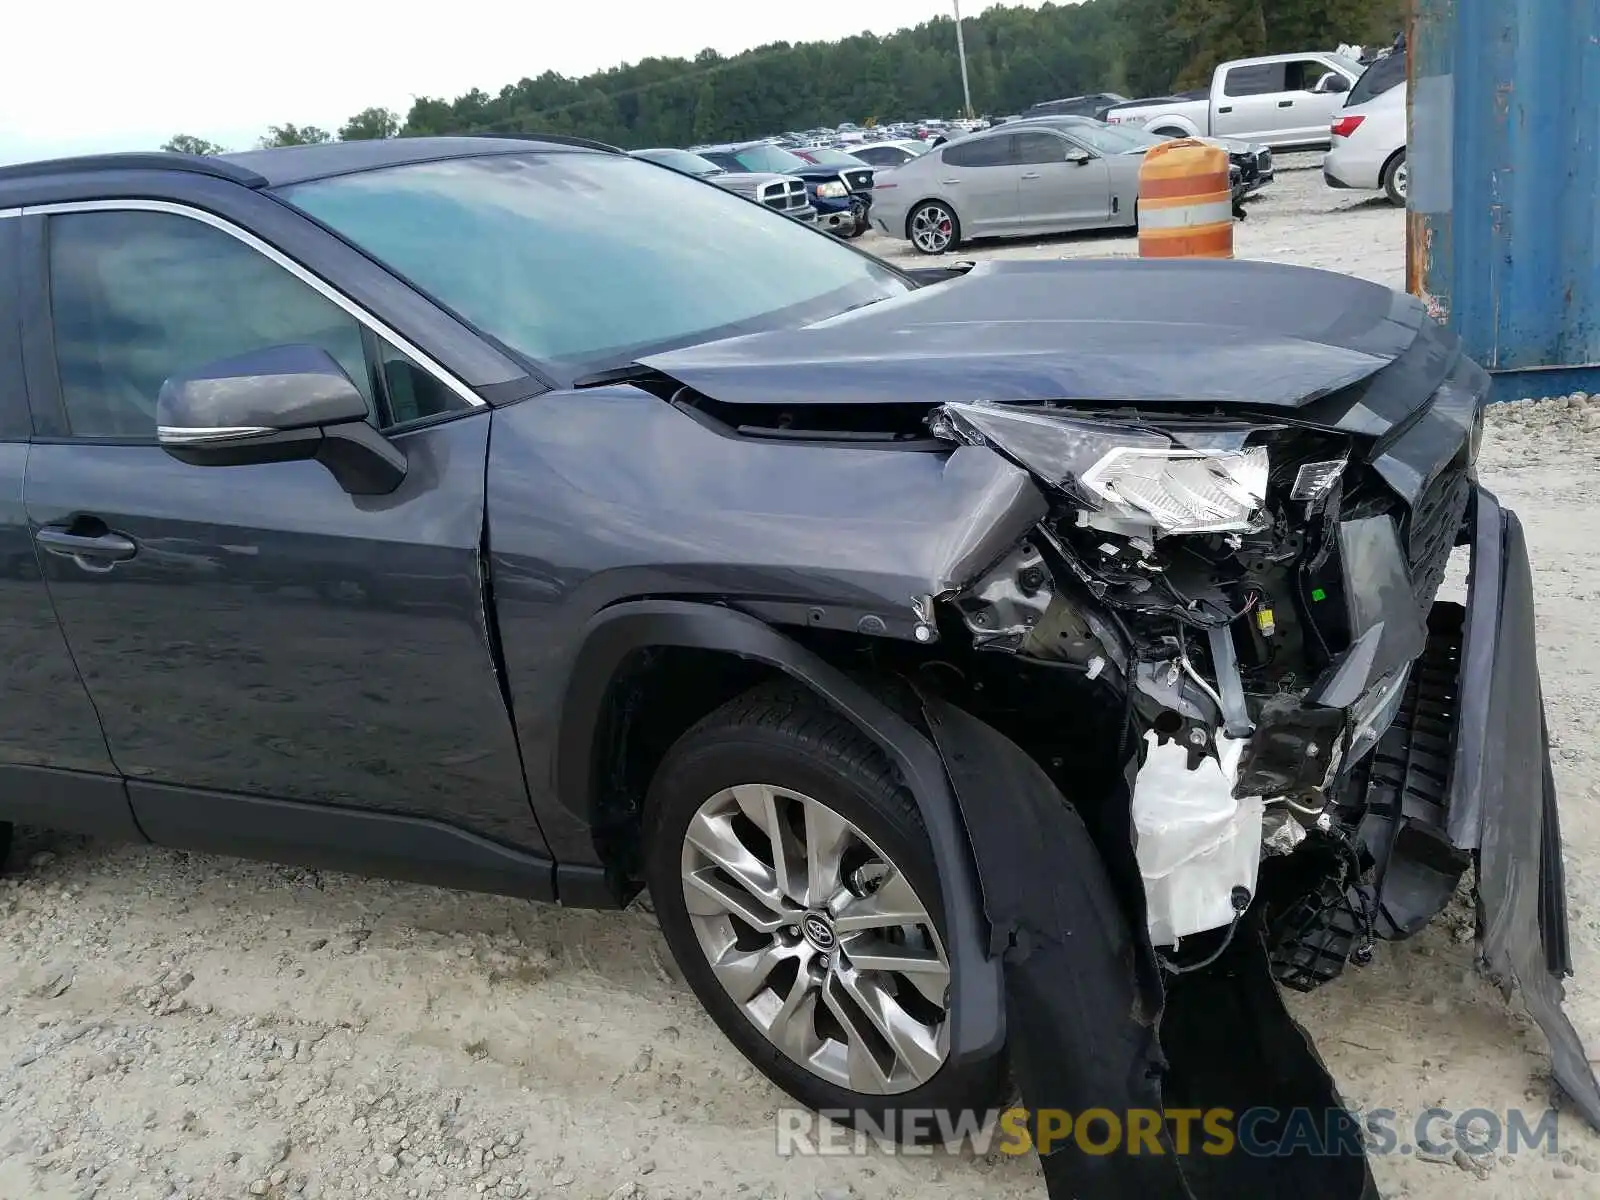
<point>1310,748</point>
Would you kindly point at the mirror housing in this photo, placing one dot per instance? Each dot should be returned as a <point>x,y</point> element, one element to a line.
<point>1332,82</point>
<point>281,404</point>
<point>1078,156</point>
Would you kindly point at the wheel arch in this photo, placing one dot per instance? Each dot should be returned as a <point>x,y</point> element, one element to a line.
<point>617,635</point>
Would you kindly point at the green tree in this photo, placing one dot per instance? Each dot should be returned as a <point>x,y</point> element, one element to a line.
<point>1016,57</point>
<point>370,123</point>
<point>294,135</point>
<point>187,143</point>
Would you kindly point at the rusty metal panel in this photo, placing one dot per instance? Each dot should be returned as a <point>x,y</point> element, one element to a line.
<point>1504,218</point>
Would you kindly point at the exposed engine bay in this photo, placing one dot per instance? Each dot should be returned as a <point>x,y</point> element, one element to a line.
<point>1198,560</point>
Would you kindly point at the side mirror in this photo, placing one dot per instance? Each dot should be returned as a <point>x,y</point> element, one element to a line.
<point>1078,157</point>
<point>1332,82</point>
<point>281,404</point>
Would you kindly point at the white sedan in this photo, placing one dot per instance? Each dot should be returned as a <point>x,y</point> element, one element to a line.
<point>1369,147</point>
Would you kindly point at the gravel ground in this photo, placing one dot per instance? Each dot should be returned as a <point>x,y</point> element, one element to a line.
<point>173,1025</point>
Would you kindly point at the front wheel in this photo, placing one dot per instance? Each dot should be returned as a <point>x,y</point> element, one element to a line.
<point>795,885</point>
<point>932,228</point>
<point>1396,178</point>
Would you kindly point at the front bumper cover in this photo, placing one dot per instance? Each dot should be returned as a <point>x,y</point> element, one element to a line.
<point>1502,794</point>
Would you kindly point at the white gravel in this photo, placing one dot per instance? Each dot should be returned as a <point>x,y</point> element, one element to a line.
<point>173,1025</point>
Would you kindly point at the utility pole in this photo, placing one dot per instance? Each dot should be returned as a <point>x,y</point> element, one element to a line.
<point>961,52</point>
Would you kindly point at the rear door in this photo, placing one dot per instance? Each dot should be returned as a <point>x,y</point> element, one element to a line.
<point>1250,102</point>
<point>979,178</point>
<point>256,630</point>
<point>1053,193</point>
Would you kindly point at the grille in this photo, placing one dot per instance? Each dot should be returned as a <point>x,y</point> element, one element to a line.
<point>784,195</point>
<point>858,181</point>
<point>1433,525</point>
<point>1264,161</point>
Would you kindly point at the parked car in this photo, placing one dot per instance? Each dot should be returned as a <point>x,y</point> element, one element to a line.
<point>1280,100</point>
<point>1385,72</point>
<point>797,588</point>
<point>890,154</point>
<point>1253,162</point>
<point>842,196</point>
<point>785,193</point>
<point>1369,146</point>
<point>1022,179</point>
<point>1090,105</point>
<point>830,156</point>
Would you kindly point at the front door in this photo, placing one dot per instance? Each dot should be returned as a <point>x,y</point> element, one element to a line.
<point>256,629</point>
<point>1053,192</point>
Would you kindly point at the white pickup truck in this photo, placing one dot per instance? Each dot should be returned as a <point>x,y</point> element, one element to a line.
<point>1281,100</point>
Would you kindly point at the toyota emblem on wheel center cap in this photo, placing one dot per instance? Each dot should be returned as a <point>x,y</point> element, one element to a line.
<point>818,930</point>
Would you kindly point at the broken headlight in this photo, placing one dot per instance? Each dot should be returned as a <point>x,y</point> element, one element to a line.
<point>1123,470</point>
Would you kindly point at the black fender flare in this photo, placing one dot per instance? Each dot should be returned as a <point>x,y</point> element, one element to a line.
<point>977,1002</point>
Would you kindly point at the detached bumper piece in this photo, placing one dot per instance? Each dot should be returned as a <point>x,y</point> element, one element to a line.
<point>1092,1023</point>
<point>1503,799</point>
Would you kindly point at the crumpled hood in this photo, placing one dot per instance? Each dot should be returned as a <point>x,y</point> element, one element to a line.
<point>1106,330</point>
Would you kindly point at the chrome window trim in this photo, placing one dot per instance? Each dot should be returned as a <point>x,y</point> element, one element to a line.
<point>314,282</point>
<point>9,212</point>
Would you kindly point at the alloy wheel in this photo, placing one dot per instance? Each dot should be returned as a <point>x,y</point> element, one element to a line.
<point>932,228</point>
<point>1401,178</point>
<point>818,937</point>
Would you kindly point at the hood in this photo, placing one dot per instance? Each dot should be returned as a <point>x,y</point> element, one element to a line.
<point>1101,331</point>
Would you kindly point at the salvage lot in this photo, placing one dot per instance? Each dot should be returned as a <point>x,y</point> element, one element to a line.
<point>177,1024</point>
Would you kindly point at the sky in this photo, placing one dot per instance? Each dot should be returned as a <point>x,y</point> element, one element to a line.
<point>91,75</point>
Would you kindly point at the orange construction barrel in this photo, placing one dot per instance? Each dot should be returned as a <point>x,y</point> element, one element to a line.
<point>1185,201</point>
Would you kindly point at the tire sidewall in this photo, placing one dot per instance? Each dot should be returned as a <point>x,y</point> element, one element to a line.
<point>1390,173</point>
<point>955,227</point>
<point>695,771</point>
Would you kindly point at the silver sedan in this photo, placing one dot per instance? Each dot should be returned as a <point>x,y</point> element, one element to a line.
<point>1010,182</point>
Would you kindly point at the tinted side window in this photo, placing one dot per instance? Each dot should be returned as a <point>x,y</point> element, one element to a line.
<point>1387,73</point>
<point>1302,76</point>
<point>980,152</point>
<point>141,296</point>
<point>1258,79</point>
<point>1036,147</point>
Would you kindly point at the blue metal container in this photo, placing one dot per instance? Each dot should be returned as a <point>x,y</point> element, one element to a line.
<point>1504,198</point>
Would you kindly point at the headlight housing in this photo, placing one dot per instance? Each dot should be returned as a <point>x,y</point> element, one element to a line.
<point>1212,482</point>
<point>832,190</point>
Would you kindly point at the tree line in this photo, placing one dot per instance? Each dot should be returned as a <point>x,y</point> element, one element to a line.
<point>1015,57</point>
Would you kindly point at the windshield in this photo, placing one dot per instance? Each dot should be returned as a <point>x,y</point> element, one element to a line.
<point>681,160</point>
<point>1108,139</point>
<point>771,158</point>
<point>834,158</point>
<point>580,260</point>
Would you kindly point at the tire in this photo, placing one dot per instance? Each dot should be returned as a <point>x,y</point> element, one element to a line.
<point>816,767</point>
<point>932,227</point>
<point>5,843</point>
<point>1396,179</point>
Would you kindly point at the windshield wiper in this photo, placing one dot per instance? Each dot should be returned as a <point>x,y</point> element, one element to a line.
<point>627,373</point>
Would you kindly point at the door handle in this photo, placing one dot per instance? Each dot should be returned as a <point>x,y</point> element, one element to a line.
<point>949,182</point>
<point>1030,174</point>
<point>1285,103</point>
<point>87,549</point>
<point>1226,108</point>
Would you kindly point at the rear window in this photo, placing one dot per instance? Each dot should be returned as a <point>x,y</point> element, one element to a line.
<point>1387,73</point>
<point>1257,79</point>
<point>979,152</point>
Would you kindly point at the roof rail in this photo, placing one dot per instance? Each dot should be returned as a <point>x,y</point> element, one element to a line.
<point>137,160</point>
<point>558,139</point>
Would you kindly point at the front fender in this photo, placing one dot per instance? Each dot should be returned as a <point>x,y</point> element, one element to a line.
<point>977,1028</point>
